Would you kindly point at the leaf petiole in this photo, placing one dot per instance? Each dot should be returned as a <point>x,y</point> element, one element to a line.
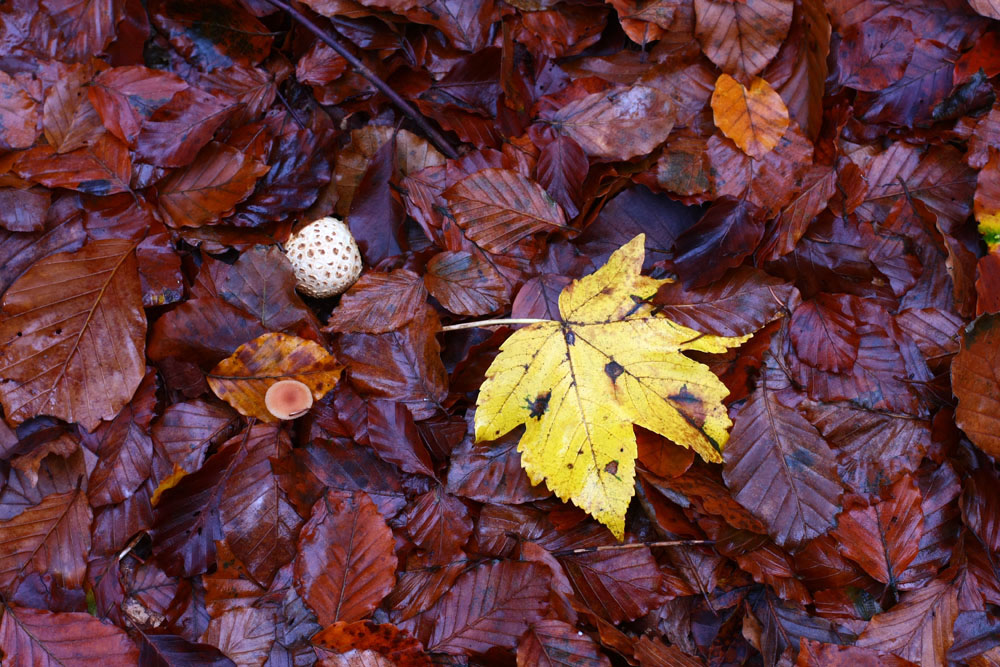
<point>493,323</point>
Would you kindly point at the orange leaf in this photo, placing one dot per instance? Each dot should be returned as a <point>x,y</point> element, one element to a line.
<point>976,384</point>
<point>754,118</point>
<point>243,378</point>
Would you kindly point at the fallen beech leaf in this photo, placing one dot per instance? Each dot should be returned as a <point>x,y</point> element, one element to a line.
<point>755,118</point>
<point>988,8</point>
<point>551,642</point>
<point>73,333</point>
<point>742,37</point>
<point>580,383</point>
<point>345,563</point>
<point>977,386</point>
<point>386,640</point>
<point>243,378</point>
<point>617,124</point>
<point>62,638</point>
<point>18,115</point>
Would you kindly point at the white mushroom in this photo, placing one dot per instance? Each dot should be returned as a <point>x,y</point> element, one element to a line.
<point>325,257</point>
<point>288,399</point>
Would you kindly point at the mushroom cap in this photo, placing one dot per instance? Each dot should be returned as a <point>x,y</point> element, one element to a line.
<point>288,399</point>
<point>324,257</point>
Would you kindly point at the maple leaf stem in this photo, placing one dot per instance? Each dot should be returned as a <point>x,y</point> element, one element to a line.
<point>442,144</point>
<point>630,545</point>
<point>492,323</point>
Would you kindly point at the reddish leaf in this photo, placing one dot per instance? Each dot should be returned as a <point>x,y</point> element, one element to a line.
<point>259,523</point>
<point>379,303</point>
<point>975,384</point>
<point>173,134</point>
<point>875,54</point>
<point>561,169</point>
<point>491,472</point>
<point>244,634</point>
<point>550,643</point>
<point>465,283</point>
<point>883,538</point>
<point>615,125</point>
<point>102,168</point>
<point>57,320</point>
<point>345,564</point>
<point>69,119</point>
<point>497,208</point>
<point>791,224</point>
<point>618,585</point>
<point>919,628</point>
<point>779,467</point>
<point>402,365</point>
<point>439,524</point>
<point>470,622</point>
<point>48,639</point>
<point>125,96</point>
<point>217,35</point>
<point>742,37</point>
<point>124,448</point>
<point>385,640</point>
<point>87,26</point>
<point>53,537</point>
<point>727,233</point>
<point>18,115</point>
<point>911,99</point>
<point>742,301</point>
<point>174,650</point>
<point>23,210</point>
<point>823,333</point>
<point>219,178</point>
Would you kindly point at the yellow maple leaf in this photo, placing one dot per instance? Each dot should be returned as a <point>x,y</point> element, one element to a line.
<point>579,384</point>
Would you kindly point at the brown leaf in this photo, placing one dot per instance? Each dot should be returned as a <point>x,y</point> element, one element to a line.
<point>186,430</point>
<point>617,585</point>
<point>819,185</point>
<point>379,303</point>
<point>174,133</point>
<point>245,634</point>
<point>345,563</point>
<point>125,96</point>
<point>48,639</point>
<point>439,524</point>
<point>779,467</point>
<point>562,168</point>
<point>491,472</point>
<point>741,302</point>
<point>70,120</point>
<point>875,54</point>
<point>742,37</point>
<point>24,210</point>
<point>219,178</point>
<point>551,643</point>
<point>243,378</point>
<point>883,538</point>
<point>615,125</point>
<point>497,208</point>
<point>975,383</point>
<point>259,522</point>
<point>465,283</point>
<point>53,538</point>
<point>823,334</point>
<point>102,168</point>
<point>470,622</point>
<point>919,628</point>
<point>755,118</point>
<point>385,640</point>
<point>57,322</point>
<point>87,26</point>
<point>18,115</point>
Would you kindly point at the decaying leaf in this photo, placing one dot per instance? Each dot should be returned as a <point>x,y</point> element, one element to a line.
<point>755,117</point>
<point>579,384</point>
<point>243,378</point>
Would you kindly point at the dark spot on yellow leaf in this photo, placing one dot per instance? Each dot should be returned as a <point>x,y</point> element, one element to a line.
<point>539,405</point>
<point>613,369</point>
<point>611,468</point>
<point>569,336</point>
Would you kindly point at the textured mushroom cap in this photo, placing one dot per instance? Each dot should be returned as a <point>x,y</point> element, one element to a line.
<point>288,399</point>
<point>324,257</point>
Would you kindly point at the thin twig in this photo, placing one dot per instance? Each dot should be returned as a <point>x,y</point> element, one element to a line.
<point>631,545</point>
<point>492,323</point>
<point>362,69</point>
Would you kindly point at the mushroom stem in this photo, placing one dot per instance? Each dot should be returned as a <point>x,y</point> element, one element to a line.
<point>493,323</point>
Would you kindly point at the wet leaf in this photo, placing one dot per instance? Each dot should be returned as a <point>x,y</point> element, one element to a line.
<point>742,37</point>
<point>975,384</point>
<point>57,321</point>
<point>550,643</point>
<point>755,118</point>
<point>50,638</point>
<point>243,378</point>
<point>545,380</point>
<point>345,564</point>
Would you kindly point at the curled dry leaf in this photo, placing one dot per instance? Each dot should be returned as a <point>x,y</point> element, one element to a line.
<point>243,379</point>
<point>755,118</point>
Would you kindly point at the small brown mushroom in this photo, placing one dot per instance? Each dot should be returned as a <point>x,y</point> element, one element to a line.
<point>288,399</point>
